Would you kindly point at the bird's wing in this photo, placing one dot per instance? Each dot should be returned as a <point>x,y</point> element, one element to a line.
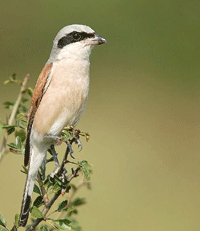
<point>40,89</point>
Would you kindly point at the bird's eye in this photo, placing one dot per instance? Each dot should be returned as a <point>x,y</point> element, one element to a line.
<point>76,36</point>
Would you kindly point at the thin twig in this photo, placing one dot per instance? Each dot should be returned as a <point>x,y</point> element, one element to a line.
<point>43,191</point>
<point>73,191</point>
<point>13,114</point>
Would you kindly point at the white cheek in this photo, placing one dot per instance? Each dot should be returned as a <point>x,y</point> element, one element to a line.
<point>75,51</point>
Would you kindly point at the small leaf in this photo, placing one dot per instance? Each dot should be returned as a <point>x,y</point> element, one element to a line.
<point>65,135</point>
<point>2,228</point>
<point>71,210</point>
<point>25,170</point>
<point>8,105</point>
<point>16,220</point>
<point>35,212</point>
<point>3,220</point>
<point>86,168</point>
<point>23,108</point>
<point>21,133</point>
<point>14,76</point>
<point>6,82</point>
<point>24,123</point>
<point>44,228</point>
<point>24,100</point>
<point>12,145</point>
<point>79,201</point>
<point>38,201</point>
<point>74,224</point>
<point>28,91</point>
<point>62,224</point>
<point>56,188</point>
<point>10,129</point>
<point>36,189</point>
<point>62,205</point>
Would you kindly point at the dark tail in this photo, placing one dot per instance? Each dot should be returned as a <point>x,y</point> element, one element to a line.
<point>25,210</point>
<point>35,163</point>
<point>26,202</point>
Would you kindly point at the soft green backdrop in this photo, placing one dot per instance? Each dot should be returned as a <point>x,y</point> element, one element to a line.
<point>143,111</point>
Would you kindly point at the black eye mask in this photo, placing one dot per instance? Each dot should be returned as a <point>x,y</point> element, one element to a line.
<point>73,37</point>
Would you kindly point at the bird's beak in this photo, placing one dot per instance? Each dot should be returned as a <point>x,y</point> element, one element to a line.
<point>97,40</point>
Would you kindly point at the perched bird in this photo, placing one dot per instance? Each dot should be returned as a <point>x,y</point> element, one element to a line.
<point>59,99</point>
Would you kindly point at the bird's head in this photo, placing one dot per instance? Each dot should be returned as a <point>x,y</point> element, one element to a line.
<point>74,41</point>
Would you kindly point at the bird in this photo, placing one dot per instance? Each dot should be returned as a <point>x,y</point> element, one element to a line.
<point>59,99</point>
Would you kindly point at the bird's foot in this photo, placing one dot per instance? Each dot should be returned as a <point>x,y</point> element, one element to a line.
<point>77,139</point>
<point>69,146</point>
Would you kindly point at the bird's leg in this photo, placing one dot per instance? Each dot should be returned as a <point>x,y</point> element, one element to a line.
<point>69,146</point>
<point>43,168</point>
<point>76,140</point>
<point>50,136</point>
<point>53,153</point>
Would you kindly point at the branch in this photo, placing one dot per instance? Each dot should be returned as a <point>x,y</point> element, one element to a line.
<point>43,191</point>
<point>56,195</point>
<point>51,202</point>
<point>13,114</point>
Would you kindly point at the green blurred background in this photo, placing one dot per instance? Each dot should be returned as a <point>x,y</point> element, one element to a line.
<point>143,111</point>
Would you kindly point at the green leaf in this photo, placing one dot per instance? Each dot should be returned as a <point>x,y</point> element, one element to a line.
<point>12,145</point>
<point>8,105</point>
<point>35,212</point>
<point>79,201</point>
<point>44,228</point>
<point>28,91</point>
<point>24,100</point>
<point>25,170</point>
<point>14,76</point>
<point>2,228</point>
<point>62,224</point>
<point>21,133</point>
<point>71,210</point>
<point>86,168</point>
<point>56,188</point>
<point>36,189</point>
<point>38,202</point>
<point>3,220</point>
<point>62,205</point>
<point>17,147</point>
<point>65,135</point>
<point>10,129</point>
<point>17,220</point>
<point>23,108</point>
<point>24,123</point>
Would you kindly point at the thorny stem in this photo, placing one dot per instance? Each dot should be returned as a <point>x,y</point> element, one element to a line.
<point>13,114</point>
